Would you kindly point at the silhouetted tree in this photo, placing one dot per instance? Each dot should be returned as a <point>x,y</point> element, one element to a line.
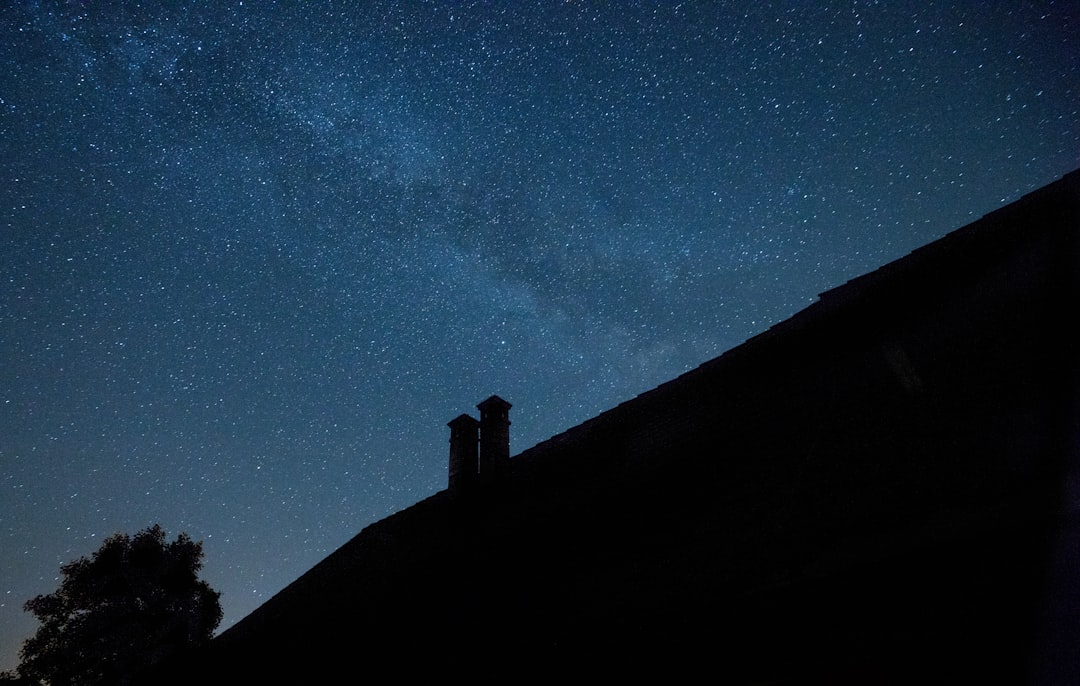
<point>136,601</point>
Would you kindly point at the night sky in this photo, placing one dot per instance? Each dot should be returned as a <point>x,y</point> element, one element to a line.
<point>253,257</point>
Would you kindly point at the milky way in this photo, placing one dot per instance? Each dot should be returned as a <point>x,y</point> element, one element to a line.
<point>253,258</point>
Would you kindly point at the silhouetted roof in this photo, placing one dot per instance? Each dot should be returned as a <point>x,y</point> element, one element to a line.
<point>878,478</point>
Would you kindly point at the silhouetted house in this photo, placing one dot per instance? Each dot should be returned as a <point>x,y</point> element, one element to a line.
<point>882,487</point>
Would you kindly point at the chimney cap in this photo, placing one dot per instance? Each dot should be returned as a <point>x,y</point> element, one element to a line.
<point>494,403</point>
<point>463,420</point>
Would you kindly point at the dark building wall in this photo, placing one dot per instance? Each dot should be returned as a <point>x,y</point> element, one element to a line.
<point>873,487</point>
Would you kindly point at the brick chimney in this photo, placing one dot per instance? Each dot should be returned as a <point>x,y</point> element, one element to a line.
<point>463,451</point>
<point>494,438</point>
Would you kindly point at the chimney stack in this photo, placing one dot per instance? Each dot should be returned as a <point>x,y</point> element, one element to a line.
<point>463,451</point>
<point>494,438</point>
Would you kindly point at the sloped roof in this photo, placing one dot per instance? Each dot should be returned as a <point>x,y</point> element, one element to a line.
<point>897,425</point>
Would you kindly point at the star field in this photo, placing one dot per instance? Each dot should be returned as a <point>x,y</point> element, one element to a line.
<point>253,257</point>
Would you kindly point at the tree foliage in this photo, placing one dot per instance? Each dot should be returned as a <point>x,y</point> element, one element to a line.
<point>136,601</point>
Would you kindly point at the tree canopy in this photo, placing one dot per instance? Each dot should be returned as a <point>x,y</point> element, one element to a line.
<point>136,601</point>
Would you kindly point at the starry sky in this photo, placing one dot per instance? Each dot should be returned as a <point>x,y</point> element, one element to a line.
<point>255,255</point>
